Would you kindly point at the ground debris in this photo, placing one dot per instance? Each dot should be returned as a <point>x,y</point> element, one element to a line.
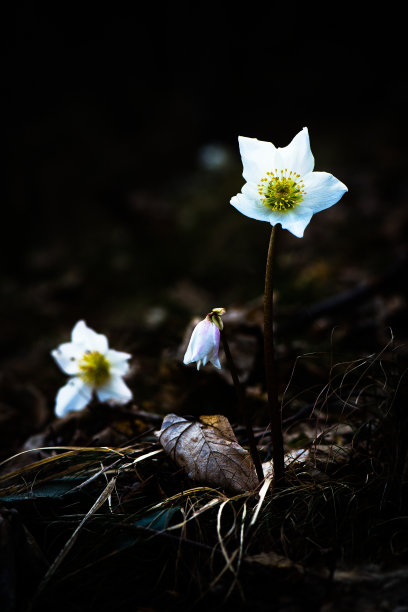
<point>209,452</point>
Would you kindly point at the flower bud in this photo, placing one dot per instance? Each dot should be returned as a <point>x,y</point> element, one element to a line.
<point>204,343</point>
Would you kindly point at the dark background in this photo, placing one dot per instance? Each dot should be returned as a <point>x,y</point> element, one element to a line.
<point>110,210</point>
<point>121,156</point>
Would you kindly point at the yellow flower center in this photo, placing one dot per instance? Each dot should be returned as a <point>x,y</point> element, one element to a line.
<point>94,369</point>
<point>281,191</point>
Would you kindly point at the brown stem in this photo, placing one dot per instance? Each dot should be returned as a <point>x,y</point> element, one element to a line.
<point>270,365</point>
<point>243,407</point>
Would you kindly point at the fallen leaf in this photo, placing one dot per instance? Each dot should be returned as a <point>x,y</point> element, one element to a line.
<point>209,452</point>
<point>272,559</point>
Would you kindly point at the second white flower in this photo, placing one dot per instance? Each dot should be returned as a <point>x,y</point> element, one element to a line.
<point>93,367</point>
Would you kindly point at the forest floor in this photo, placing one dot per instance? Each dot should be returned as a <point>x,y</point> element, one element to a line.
<point>94,514</point>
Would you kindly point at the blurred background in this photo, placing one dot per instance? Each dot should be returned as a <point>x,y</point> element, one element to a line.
<point>122,155</point>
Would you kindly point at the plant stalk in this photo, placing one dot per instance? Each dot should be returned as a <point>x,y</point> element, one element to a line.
<point>270,364</point>
<point>243,408</point>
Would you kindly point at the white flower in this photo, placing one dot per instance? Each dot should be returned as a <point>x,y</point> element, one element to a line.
<point>281,186</point>
<point>204,344</point>
<point>93,367</point>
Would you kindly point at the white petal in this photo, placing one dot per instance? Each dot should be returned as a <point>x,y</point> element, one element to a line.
<point>251,208</point>
<point>118,362</point>
<point>297,155</point>
<point>258,158</point>
<point>82,334</point>
<point>215,361</point>
<point>212,356</point>
<point>296,221</point>
<point>74,396</point>
<point>67,356</point>
<point>115,391</point>
<point>191,353</point>
<point>201,342</point>
<point>322,190</point>
<point>204,340</point>
<point>250,191</point>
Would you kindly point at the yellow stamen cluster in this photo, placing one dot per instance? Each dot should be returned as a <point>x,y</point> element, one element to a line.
<point>281,191</point>
<point>94,368</point>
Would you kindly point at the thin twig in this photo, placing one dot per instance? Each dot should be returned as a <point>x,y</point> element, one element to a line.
<point>243,407</point>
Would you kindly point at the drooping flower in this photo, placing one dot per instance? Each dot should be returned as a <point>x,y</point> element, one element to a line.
<point>281,186</point>
<point>205,340</point>
<point>93,367</point>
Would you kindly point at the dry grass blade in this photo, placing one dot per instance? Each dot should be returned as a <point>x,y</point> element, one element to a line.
<point>262,493</point>
<point>36,464</point>
<point>196,513</point>
<point>184,494</point>
<point>240,554</point>
<point>104,449</point>
<point>79,460</point>
<point>142,458</point>
<point>236,554</point>
<point>103,470</point>
<point>65,550</point>
<point>229,559</point>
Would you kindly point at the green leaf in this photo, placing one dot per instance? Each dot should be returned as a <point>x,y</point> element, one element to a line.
<point>53,489</point>
<point>158,521</point>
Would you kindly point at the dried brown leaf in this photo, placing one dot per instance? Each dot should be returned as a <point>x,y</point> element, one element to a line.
<point>208,451</point>
<point>274,560</point>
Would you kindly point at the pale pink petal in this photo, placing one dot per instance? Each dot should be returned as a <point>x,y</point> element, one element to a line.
<point>204,344</point>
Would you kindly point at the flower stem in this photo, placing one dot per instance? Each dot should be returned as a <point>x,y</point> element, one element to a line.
<point>270,365</point>
<point>243,407</point>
